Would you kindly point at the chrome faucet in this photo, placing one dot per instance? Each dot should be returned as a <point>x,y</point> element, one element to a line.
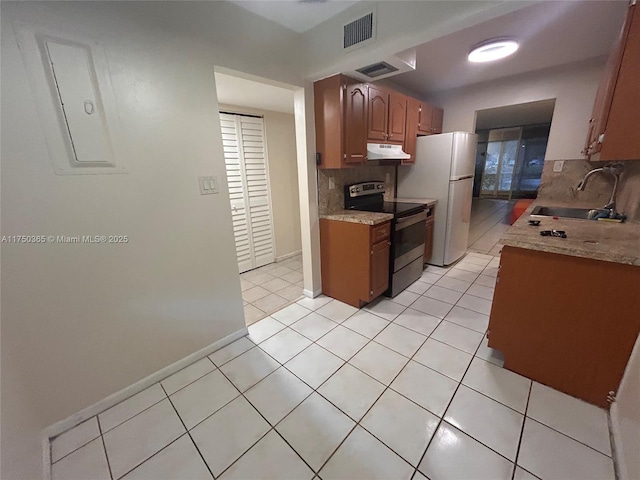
<point>614,169</point>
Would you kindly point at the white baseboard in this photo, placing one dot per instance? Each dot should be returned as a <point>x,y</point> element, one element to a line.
<point>618,460</point>
<point>312,294</point>
<point>288,255</point>
<point>108,402</point>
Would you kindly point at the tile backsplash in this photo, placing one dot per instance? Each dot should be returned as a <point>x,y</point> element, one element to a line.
<point>562,186</point>
<point>332,200</point>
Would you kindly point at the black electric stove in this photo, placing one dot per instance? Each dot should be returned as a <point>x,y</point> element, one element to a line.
<point>408,231</point>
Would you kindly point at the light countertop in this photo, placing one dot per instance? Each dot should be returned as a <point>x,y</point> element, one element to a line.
<point>357,216</point>
<point>598,240</point>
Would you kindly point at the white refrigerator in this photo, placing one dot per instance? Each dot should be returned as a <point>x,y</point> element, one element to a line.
<point>444,169</point>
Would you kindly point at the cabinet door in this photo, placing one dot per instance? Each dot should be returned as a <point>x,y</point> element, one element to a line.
<point>426,117</point>
<point>379,268</point>
<point>355,124</point>
<point>411,130</point>
<point>428,242</point>
<point>378,114</point>
<point>397,117</point>
<point>436,120</point>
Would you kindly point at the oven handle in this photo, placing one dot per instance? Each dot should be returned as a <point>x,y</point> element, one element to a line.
<point>405,222</point>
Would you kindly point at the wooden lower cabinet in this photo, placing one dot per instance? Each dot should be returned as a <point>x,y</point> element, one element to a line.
<point>428,241</point>
<point>566,322</point>
<point>354,260</point>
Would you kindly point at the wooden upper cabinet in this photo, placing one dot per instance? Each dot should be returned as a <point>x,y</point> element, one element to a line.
<point>437,118</point>
<point>615,124</point>
<point>397,117</point>
<point>340,106</point>
<point>430,119</point>
<point>378,113</point>
<point>411,130</point>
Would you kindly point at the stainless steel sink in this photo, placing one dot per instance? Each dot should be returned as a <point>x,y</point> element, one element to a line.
<point>582,213</point>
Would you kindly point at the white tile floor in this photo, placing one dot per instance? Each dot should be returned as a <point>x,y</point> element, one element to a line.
<point>405,388</point>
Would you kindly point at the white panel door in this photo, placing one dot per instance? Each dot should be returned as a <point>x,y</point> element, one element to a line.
<point>248,181</point>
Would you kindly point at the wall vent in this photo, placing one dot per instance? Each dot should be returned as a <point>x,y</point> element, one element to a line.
<point>358,31</point>
<point>377,69</point>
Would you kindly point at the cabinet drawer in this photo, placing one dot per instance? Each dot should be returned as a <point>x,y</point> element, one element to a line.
<point>380,232</point>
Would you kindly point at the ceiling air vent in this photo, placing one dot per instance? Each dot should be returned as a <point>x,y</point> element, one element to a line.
<point>377,69</point>
<point>358,31</point>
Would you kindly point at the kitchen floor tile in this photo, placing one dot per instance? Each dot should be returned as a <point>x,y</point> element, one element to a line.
<point>71,440</point>
<point>178,460</point>
<point>314,303</point>
<point>522,474</point>
<point>477,260</point>
<point>436,269</point>
<point>231,351</point>
<point>490,272</point>
<point>277,270</point>
<point>253,314</point>
<point>314,365</point>
<point>502,385</point>
<point>366,323</point>
<point>291,314</point>
<point>405,298</point>
<point>380,362</point>
<point>453,284</point>
<point>400,339</point>
<point>385,308</point>
<point>130,407</point>
<point>158,426</point>
<point>362,456</point>
<point>402,425</point>
<point>431,306</point>
<point>485,281</point>
<point>203,397</point>
<point>443,294</point>
<point>285,345</point>
<point>476,304</point>
<point>269,459</point>
<point>443,358</point>
<point>337,311</point>
<point>291,293</point>
<point>246,284</point>
<point>452,455</point>
<point>314,429</point>
<point>256,293</point>
<point>89,461</point>
<point>418,321</point>
<point>421,286</point>
<point>581,421</point>
<point>460,274</point>
<point>457,336</point>
<point>292,277</point>
<point>277,394</point>
<point>226,435</point>
<point>351,391</point>
<point>249,368</point>
<point>275,285</point>
<point>469,266</point>
<point>259,277</point>
<point>265,328</point>
<point>343,342</point>
<point>468,318</point>
<point>187,375</point>
<point>491,423</point>
<point>481,291</point>
<point>489,354</point>
<point>426,387</point>
<point>314,326</point>
<point>270,303</point>
<point>554,456</point>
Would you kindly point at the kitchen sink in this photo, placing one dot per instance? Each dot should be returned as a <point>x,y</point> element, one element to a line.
<point>582,213</point>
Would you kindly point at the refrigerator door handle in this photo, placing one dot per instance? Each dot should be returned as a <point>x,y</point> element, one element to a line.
<point>462,177</point>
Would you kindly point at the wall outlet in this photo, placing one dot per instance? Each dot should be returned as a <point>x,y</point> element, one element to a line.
<point>332,183</point>
<point>208,185</point>
<point>558,165</point>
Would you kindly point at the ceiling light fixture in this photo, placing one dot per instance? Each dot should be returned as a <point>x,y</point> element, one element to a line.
<point>493,49</point>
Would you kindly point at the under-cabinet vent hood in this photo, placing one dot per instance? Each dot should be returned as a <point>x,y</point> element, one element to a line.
<point>385,151</point>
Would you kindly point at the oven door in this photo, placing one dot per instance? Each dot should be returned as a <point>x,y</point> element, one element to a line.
<point>408,239</point>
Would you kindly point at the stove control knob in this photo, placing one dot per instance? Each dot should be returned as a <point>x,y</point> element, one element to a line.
<point>358,189</point>
<point>380,187</point>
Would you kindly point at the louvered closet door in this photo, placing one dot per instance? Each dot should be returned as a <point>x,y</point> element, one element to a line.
<point>247,177</point>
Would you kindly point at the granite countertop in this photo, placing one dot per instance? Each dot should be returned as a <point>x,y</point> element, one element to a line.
<point>356,216</point>
<point>430,202</point>
<point>598,240</point>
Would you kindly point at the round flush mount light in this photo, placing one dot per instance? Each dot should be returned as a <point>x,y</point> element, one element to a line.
<point>493,49</point>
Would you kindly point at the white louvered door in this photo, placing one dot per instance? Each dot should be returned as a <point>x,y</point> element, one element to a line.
<point>248,180</point>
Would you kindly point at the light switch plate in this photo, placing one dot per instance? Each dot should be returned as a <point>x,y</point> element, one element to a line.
<point>557,165</point>
<point>208,185</point>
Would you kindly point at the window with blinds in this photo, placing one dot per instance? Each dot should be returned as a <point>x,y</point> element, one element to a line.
<point>248,180</point>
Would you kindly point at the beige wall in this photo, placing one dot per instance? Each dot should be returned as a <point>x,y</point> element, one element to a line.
<point>283,176</point>
<point>80,322</point>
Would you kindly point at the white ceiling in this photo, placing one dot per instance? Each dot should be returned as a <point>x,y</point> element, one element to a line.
<point>551,33</point>
<point>250,94</point>
<point>297,15</point>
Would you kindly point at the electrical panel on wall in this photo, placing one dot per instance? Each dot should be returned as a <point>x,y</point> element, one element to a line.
<point>72,89</point>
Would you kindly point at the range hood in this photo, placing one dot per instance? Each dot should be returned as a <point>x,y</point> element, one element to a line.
<point>385,151</point>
